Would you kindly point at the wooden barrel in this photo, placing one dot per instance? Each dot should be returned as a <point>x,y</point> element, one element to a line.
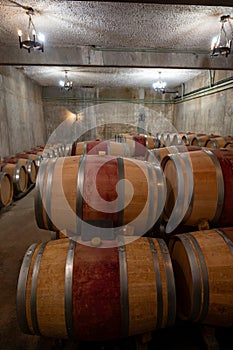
<point>163,138</point>
<point>68,149</point>
<point>146,141</point>
<point>6,189</point>
<point>187,138</point>
<point>217,142</point>
<point>200,141</point>
<point>203,269</point>
<point>158,154</point>
<point>32,156</point>
<point>69,290</point>
<point>177,139</point>
<point>225,159</point>
<point>96,147</point>
<point>29,164</point>
<point>196,188</point>
<point>31,168</point>
<point>74,189</point>
<point>229,144</point>
<point>19,177</point>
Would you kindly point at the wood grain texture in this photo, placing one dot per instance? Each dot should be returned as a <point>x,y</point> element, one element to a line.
<point>100,190</point>
<point>96,311</point>
<point>22,180</point>
<point>105,183</point>
<point>142,289</point>
<point>51,290</point>
<point>6,189</point>
<point>205,194</point>
<point>225,158</point>
<point>28,290</point>
<point>96,294</point>
<point>219,263</point>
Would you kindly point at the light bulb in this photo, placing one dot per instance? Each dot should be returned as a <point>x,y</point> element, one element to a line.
<point>20,32</point>
<point>41,37</point>
<point>214,42</point>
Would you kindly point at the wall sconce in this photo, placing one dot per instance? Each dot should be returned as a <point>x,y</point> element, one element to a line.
<point>67,85</point>
<point>34,41</point>
<point>221,44</point>
<point>159,85</point>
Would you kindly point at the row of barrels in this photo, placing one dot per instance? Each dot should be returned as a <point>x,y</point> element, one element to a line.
<point>195,139</point>
<point>186,187</point>
<point>70,290</point>
<point>173,139</point>
<point>18,172</point>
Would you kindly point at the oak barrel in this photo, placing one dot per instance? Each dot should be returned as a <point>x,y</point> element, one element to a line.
<point>216,142</point>
<point>203,269</point>
<point>158,154</point>
<point>37,158</point>
<point>229,144</point>
<point>177,139</point>
<point>30,165</point>
<point>200,140</point>
<point>69,290</point>
<point>94,147</point>
<point>19,176</point>
<point>198,188</point>
<point>77,189</point>
<point>6,189</point>
<point>187,138</point>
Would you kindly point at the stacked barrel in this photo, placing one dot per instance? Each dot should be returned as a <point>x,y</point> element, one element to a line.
<point>18,172</point>
<point>131,202</point>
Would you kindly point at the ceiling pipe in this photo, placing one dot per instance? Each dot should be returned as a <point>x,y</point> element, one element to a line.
<point>100,100</point>
<point>219,86</point>
<point>175,2</point>
<point>129,49</point>
<point>201,92</point>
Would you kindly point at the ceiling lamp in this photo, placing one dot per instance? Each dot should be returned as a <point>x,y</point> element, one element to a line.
<point>34,41</point>
<point>159,85</point>
<point>221,44</point>
<point>67,85</point>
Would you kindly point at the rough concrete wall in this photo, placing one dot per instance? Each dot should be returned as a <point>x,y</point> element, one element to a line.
<point>208,114</point>
<point>104,112</point>
<point>21,112</point>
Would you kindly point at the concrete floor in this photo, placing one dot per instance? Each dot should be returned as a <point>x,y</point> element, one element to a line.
<point>18,230</point>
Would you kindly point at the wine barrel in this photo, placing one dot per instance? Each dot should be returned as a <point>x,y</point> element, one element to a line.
<point>173,139</point>
<point>32,156</point>
<point>29,164</point>
<point>199,186</point>
<point>225,159</point>
<point>70,290</point>
<point>177,139</point>
<point>31,168</point>
<point>19,177</point>
<point>203,268</point>
<point>200,141</point>
<point>146,141</point>
<point>6,189</point>
<point>74,189</point>
<point>217,142</point>
<point>94,147</point>
<point>163,138</point>
<point>187,138</point>
<point>68,149</point>
<point>229,144</point>
<point>158,154</point>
